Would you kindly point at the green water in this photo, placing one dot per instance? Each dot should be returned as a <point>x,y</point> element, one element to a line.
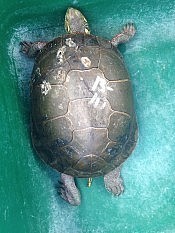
<point>28,198</point>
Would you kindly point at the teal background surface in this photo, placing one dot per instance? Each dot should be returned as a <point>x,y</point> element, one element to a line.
<point>28,197</point>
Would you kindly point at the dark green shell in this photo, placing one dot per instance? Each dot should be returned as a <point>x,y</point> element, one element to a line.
<point>83,121</point>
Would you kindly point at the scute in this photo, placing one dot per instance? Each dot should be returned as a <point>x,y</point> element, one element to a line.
<point>119,127</point>
<point>78,39</point>
<point>112,66</point>
<point>49,47</point>
<point>89,141</point>
<point>83,115</point>
<point>79,83</point>
<point>90,164</point>
<point>47,105</point>
<point>122,92</point>
<point>57,76</point>
<point>104,43</point>
<point>78,62</point>
<point>54,76</point>
<point>91,40</point>
<point>109,153</point>
<point>58,130</point>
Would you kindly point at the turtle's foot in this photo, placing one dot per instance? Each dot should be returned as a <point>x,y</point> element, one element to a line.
<point>126,34</point>
<point>68,190</point>
<point>113,182</point>
<point>31,49</point>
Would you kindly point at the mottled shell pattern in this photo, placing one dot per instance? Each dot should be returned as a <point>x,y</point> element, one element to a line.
<point>83,122</point>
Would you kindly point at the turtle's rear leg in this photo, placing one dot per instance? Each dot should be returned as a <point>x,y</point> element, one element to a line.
<point>113,182</point>
<point>31,49</point>
<point>68,190</point>
<point>125,35</point>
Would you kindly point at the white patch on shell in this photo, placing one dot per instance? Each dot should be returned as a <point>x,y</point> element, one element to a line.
<point>94,97</point>
<point>103,105</point>
<point>38,71</point>
<point>70,42</point>
<point>45,87</point>
<point>67,79</point>
<point>60,54</point>
<point>60,106</point>
<point>109,88</point>
<point>86,62</point>
<point>99,88</point>
<point>61,75</point>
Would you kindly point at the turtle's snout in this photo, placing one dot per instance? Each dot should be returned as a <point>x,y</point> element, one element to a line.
<point>72,14</point>
<point>75,22</point>
<point>71,11</point>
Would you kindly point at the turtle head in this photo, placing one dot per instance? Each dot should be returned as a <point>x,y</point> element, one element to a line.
<point>75,22</point>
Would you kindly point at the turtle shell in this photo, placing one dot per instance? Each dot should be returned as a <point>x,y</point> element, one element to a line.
<point>83,121</point>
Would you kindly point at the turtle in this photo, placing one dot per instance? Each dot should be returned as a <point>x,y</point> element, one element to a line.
<point>83,122</point>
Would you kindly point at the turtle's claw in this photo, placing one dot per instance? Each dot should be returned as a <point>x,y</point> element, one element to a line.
<point>129,29</point>
<point>59,186</point>
<point>60,182</point>
<point>60,191</point>
<point>25,46</point>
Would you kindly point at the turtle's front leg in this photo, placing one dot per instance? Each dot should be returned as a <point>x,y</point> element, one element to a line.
<point>31,49</point>
<point>125,35</point>
<point>113,182</point>
<point>68,190</point>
